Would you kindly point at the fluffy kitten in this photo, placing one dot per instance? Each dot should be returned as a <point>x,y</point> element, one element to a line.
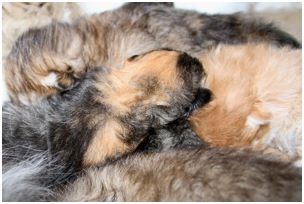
<point>256,99</point>
<point>49,60</point>
<point>198,174</point>
<point>106,116</point>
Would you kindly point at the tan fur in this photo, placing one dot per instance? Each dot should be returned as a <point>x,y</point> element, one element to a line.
<point>123,93</point>
<point>106,143</point>
<point>257,98</point>
<point>126,88</point>
<point>142,85</point>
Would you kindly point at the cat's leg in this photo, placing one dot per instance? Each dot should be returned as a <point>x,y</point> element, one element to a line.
<point>44,61</point>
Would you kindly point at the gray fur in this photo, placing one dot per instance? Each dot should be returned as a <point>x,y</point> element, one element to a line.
<point>176,135</point>
<point>23,181</point>
<point>189,175</point>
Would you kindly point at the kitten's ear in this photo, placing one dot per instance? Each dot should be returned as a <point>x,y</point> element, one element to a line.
<point>254,120</point>
<point>259,116</point>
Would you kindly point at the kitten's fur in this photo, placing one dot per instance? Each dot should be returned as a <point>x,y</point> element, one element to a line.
<point>55,62</point>
<point>256,99</point>
<point>48,65</point>
<point>199,174</point>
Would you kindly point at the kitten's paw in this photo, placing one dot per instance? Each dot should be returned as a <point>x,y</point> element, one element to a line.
<point>45,62</point>
<point>63,74</point>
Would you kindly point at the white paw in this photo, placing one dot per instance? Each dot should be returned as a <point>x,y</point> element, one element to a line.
<point>50,80</point>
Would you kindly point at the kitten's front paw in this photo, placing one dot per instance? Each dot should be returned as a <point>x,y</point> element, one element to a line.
<point>63,74</point>
<point>44,62</point>
<point>42,76</point>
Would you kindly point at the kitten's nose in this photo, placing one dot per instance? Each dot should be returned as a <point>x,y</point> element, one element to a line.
<point>202,97</point>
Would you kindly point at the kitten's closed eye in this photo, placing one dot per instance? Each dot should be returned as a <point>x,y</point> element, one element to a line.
<point>134,57</point>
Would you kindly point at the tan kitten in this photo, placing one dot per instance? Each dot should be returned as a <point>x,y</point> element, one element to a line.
<point>257,99</point>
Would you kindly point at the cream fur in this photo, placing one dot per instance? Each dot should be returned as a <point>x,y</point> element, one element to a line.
<point>257,98</point>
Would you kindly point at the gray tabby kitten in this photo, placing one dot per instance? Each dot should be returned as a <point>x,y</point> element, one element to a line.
<point>198,174</point>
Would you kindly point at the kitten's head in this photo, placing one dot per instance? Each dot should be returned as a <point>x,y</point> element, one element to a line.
<point>155,88</point>
<point>149,91</point>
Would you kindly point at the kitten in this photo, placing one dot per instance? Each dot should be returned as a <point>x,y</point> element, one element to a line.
<point>197,174</point>
<point>52,59</point>
<point>106,116</point>
<point>256,99</point>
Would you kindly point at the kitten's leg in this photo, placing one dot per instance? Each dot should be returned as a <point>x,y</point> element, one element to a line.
<point>45,61</point>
